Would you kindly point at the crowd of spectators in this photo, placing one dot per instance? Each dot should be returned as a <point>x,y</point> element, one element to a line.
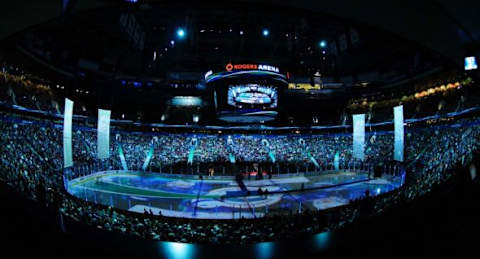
<point>279,151</point>
<point>22,89</point>
<point>31,161</point>
<point>438,95</point>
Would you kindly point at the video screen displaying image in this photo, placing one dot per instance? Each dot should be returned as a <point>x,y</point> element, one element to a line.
<point>471,63</point>
<point>242,96</point>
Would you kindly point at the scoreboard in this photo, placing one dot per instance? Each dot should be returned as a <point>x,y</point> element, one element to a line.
<point>252,95</point>
<point>247,93</point>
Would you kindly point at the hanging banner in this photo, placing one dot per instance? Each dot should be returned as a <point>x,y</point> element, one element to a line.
<point>103,134</point>
<point>67,134</point>
<point>359,136</point>
<point>399,133</point>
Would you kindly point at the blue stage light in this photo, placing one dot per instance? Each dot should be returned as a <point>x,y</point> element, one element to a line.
<point>266,32</point>
<point>323,44</point>
<point>174,250</point>
<point>181,33</point>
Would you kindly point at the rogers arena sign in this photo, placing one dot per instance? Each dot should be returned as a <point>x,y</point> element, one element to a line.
<point>229,67</point>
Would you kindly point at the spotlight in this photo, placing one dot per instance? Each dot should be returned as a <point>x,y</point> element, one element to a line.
<point>172,42</point>
<point>323,44</point>
<point>266,32</point>
<point>181,33</point>
<point>241,32</point>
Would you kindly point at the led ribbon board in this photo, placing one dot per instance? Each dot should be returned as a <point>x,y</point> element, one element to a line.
<point>186,101</point>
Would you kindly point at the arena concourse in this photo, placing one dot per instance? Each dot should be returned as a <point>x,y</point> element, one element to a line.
<point>244,130</point>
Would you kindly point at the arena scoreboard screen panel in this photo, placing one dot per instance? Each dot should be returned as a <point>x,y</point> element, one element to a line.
<point>252,95</point>
<point>247,93</point>
<point>471,63</point>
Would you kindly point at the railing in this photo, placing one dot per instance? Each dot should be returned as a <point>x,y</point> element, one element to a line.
<point>228,170</point>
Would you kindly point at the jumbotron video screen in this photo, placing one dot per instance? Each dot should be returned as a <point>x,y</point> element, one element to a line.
<point>247,96</point>
<point>252,96</point>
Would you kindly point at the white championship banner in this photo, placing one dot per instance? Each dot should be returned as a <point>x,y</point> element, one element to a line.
<point>103,134</point>
<point>67,134</point>
<point>359,136</point>
<point>399,133</point>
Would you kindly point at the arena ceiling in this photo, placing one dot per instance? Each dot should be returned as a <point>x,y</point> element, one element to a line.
<point>447,27</point>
